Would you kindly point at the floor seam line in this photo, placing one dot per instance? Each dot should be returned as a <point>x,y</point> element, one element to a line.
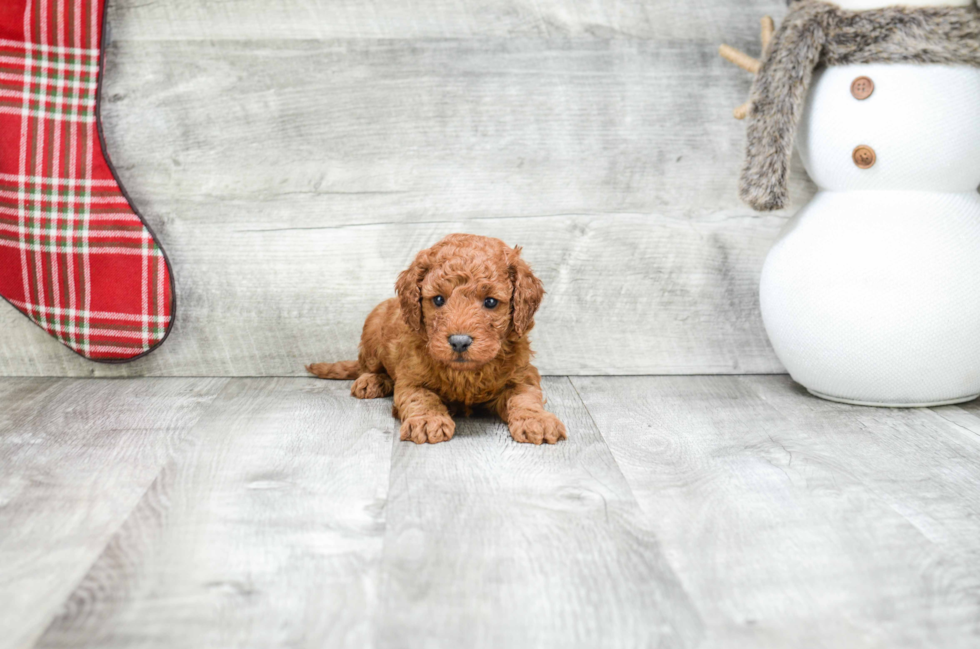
<point>578,395</point>
<point>972,433</point>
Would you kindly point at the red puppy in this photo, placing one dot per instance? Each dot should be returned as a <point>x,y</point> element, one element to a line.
<point>455,336</point>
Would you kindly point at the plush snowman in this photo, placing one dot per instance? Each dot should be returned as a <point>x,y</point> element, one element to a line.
<point>871,294</point>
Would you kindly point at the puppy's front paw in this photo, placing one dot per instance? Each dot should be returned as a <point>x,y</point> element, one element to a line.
<point>431,428</point>
<point>537,428</point>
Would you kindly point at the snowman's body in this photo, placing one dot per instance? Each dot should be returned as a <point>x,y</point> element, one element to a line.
<point>872,292</point>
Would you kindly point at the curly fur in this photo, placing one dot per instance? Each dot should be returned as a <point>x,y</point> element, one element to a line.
<point>405,347</point>
<point>821,34</point>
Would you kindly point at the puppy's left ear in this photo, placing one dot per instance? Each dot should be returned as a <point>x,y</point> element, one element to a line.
<point>528,293</point>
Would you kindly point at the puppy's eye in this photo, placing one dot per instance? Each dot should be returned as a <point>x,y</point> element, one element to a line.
<point>438,300</point>
<point>490,303</point>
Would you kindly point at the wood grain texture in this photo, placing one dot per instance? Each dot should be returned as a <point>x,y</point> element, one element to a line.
<point>75,458</point>
<point>682,511</point>
<point>290,181</point>
<point>708,20</point>
<point>266,532</point>
<point>797,522</point>
<point>490,543</point>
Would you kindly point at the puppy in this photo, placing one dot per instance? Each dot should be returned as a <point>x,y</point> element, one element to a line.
<point>455,337</point>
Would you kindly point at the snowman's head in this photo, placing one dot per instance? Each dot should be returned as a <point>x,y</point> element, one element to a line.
<point>861,5</point>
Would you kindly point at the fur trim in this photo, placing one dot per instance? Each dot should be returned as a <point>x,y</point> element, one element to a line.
<point>818,33</point>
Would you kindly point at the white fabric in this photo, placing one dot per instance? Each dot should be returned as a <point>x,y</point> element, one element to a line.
<point>874,296</point>
<point>922,121</point>
<point>872,293</point>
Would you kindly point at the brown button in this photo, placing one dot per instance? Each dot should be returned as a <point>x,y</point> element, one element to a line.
<point>864,157</point>
<point>862,88</point>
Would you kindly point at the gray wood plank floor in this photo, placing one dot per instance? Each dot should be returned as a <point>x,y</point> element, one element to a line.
<point>682,512</point>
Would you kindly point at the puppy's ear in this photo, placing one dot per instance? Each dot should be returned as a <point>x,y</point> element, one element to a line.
<point>409,289</point>
<point>528,293</point>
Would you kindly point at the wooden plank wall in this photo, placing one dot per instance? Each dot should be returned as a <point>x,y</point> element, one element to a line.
<point>294,155</point>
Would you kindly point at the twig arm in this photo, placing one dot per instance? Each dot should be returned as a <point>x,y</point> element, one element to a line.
<point>768,29</point>
<point>746,62</point>
<point>740,58</point>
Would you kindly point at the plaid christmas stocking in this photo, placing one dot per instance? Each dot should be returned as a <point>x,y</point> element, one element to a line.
<point>75,257</point>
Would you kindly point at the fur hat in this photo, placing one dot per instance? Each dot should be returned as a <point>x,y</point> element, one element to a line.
<point>817,33</point>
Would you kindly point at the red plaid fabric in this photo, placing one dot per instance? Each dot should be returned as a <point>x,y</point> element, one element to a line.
<point>75,257</point>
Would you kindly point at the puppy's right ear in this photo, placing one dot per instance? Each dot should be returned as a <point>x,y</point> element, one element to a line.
<point>409,289</point>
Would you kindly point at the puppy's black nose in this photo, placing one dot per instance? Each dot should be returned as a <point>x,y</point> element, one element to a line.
<point>460,343</point>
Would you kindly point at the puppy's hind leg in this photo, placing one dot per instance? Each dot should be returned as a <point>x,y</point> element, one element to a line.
<point>371,379</point>
<point>373,386</point>
<point>374,381</point>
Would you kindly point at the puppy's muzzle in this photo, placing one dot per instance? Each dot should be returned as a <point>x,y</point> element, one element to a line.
<point>460,342</point>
